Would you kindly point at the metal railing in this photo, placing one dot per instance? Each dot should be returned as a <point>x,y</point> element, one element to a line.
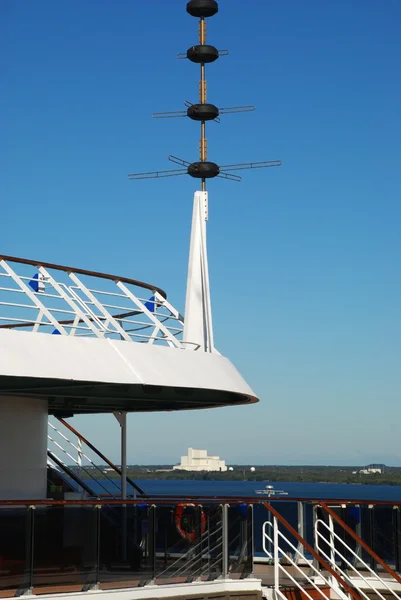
<point>54,299</point>
<point>173,539</point>
<point>337,559</point>
<point>348,564</point>
<point>297,575</point>
<point>348,560</point>
<point>336,583</point>
<point>81,545</point>
<point>95,479</point>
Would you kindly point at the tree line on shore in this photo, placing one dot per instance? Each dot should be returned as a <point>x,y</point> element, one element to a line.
<point>271,473</point>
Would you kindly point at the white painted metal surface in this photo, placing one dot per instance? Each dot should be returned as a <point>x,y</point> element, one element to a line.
<point>198,313</point>
<point>23,440</point>
<point>24,354</point>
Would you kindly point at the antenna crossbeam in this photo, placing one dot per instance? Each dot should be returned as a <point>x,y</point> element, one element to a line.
<point>158,174</point>
<point>229,176</point>
<point>176,114</point>
<point>228,110</point>
<point>252,165</point>
<point>179,161</point>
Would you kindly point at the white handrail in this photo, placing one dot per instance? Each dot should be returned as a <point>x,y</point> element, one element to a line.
<point>335,552</point>
<point>49,299</point>
<point>277,551</point>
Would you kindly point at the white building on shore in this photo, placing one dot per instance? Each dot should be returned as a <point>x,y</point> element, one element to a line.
<point>371,469</point>
<point>198,460</point>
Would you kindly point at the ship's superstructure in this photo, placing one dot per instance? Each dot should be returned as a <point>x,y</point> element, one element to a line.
<point>113,344</point>
<point>74,341</point>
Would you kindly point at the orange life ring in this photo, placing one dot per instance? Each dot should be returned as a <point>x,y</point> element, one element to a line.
<point>188,535</point>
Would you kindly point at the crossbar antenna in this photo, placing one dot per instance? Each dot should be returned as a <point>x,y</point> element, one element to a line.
<point>203,111</point>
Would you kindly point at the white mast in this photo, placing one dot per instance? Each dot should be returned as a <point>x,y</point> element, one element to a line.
<point>198,328</point>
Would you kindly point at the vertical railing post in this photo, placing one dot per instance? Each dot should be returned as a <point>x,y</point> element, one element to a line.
<point>224,546</point>
<point>249,540</point>
<point>358,531</point>
<point>98,508</point>
<point>29,550</point>
<point>199,539</point>
<point>208,545</point>
<point>152,539</point>
<point>332,542</point>
<point>276,557</point>
<point>333,581</point>
<point>316,563</point>
<point>79,458</point>
<point>300,556</point>
<point>243,553</point>
<point>396,529</point>
<point>123,424</point>
<point>343,532</point>
<point>122,420</point>
<point>269,542</point>
<point>371,534</point>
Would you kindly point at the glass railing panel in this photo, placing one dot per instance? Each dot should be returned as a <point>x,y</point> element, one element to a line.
<point>124,551</point>
<point>58,548</point>
<point>213,543</point>
<point>175,534</point>
<point>65,548</point>
<point>385,534</point>
<point>15,548</point>
<point>188,543</point>
<point>240,540</point>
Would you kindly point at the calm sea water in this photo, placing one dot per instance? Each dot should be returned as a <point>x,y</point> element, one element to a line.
<point>331,491</point>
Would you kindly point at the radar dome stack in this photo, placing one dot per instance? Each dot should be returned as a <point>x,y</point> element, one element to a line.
<point>203,111</point>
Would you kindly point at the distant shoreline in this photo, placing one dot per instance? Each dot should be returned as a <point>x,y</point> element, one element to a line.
<point>266,473</point>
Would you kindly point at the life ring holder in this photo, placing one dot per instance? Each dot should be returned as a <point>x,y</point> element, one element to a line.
<point>190,536</point>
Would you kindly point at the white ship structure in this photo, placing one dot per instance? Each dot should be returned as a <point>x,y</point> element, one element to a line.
<point>79,342</point>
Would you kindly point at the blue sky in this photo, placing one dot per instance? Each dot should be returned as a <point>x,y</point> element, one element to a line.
<point>304,260</point>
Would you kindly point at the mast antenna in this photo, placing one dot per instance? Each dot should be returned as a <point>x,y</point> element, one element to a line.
<point>203,111</point>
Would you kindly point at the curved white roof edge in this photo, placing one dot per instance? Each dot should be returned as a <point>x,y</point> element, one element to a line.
<point>28,354</point>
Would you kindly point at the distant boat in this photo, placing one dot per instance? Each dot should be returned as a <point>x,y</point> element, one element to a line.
<point>269,490</point>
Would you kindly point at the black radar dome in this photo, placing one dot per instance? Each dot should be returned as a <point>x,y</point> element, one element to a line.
<point>202,8</point>
<point>203,170</point>
<point>203,53</point>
